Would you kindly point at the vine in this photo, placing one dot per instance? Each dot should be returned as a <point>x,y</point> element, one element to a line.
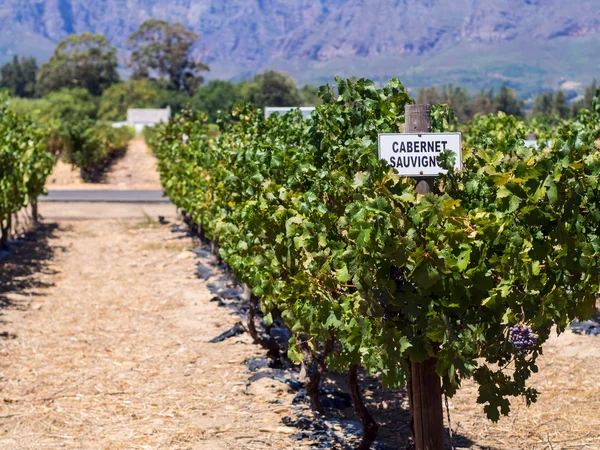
<point>306,214</point>
<point>24,166</point>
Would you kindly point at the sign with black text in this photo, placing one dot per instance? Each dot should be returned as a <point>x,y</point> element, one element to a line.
<point>415,154</point>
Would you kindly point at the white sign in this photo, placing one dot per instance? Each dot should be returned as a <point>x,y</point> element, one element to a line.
<point>305,110</point>
<point>415,154</point>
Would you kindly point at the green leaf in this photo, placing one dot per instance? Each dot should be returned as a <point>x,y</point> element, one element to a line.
<point>426,275</point>
<point>552,192</point>
<point>268,319</point>
<point>436,329</point>
<point>463,259</point>
<point>418,352</point>
<point>300,208</point>
<point>342,275</point>
<point>364,238</point>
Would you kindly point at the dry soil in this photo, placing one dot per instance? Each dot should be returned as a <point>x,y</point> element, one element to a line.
<point>105,345</point>
<point>134,170</point>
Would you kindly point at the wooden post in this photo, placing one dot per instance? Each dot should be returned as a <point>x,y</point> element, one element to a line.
<point>425,384</point>
<point>3,235</point>
<point>417,119</point>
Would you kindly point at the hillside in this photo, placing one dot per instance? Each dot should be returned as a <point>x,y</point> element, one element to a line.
<point>531,44</point>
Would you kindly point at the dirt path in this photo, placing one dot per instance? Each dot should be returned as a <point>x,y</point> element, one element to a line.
<point>135,170</point>
<point>104,345</point>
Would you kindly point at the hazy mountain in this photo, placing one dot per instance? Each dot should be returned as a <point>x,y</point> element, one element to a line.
<point>531,44</point>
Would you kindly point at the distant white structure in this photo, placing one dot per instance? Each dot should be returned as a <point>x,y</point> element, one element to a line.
<point>139,118</point>
<point>530,143</point>
<point>533,143</point>
<point>306,110</point>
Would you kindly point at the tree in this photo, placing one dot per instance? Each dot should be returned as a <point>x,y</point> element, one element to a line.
<point>166,96</point>
<point>458,99</point>
<point>18,77</point>
<point>465,106</point>
<point>119,97</point>
<point>273,88</point>
<point>66,105</point>
<point>455,96</point>
<point>543,105</point>
<point>310,95</point>
<point>561,109</point>
<point>483,103</point>
<point>586,101</point>
<point>72,105</point>
<point>159,48</point>
<point>428,96</point>
<point>86,60</point>
<point>551,107</point>
<point>216,95</point>
<point>507,102</point>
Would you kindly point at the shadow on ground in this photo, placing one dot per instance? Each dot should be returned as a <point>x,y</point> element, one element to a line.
<point>26,257</point>
<point>100,175</point>
<point>389,408</point>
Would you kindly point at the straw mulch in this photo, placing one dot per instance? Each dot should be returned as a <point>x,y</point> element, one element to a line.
<point>106,347</point>
<point>566,415</point>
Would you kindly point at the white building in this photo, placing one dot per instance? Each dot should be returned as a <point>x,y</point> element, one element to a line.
<point>139,118</point>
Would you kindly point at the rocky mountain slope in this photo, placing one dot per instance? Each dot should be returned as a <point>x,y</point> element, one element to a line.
<point>531,44</point>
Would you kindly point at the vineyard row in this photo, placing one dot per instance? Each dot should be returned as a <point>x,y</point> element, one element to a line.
<point>363,270</point>
<point>24,166</point>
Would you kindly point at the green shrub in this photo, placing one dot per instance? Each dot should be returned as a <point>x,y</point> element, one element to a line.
<point>24,165</point>
<point>66,105</point>
<point>92,145</point>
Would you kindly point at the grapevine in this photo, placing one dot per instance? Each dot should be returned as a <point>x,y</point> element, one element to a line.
<point>24,165</point>
<point>322,231</point>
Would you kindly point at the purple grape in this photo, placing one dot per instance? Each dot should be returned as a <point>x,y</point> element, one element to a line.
<point>522,338</point>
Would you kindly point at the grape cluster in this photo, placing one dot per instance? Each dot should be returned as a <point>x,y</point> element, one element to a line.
<point>398,274</point>
<point>522,338</point>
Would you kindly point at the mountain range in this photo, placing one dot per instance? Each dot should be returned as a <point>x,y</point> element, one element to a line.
<point>532,45</point>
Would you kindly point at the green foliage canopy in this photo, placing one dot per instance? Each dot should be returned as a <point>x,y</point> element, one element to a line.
<point>587,101</point>
<point>272,88</point>
<point>86,60</point>
<point>24,162</point>
<point>164,49</point>
<point>66,105</point>
<point>18,77</point>
<point>90,145</point>
<point>121,96</point>
<point>217,96</point>
<point>308,216</point>
<point>466,107</point>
